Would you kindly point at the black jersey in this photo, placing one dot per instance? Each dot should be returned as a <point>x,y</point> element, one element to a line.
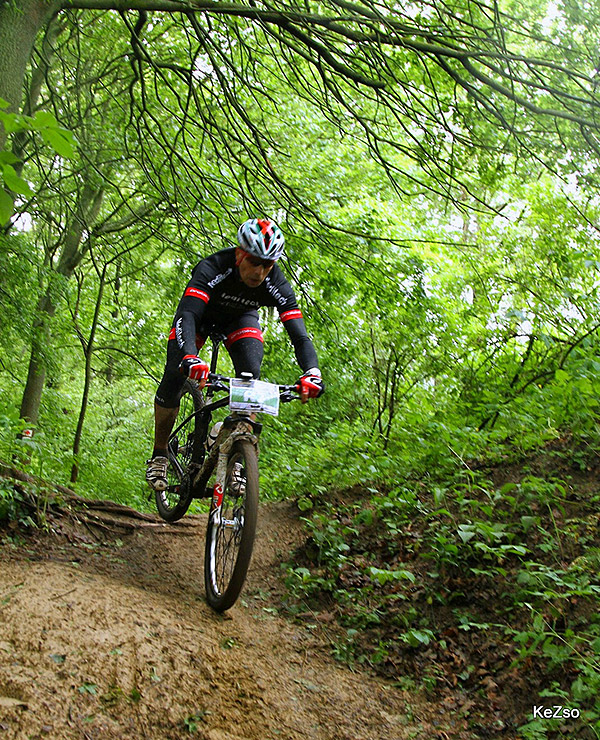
<point>216,297</point>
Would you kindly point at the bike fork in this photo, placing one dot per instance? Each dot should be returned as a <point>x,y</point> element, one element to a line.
<point>221,479</point>
<point>219,487</point>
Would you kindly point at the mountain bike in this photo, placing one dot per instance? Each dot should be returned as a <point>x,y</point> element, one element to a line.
<point>233,459</point>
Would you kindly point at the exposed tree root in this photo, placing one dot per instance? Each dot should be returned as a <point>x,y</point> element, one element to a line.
<point>60,501</point>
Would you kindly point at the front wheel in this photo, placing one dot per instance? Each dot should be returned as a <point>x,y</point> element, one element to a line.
<point>231,528</point>
<point>185,446</point>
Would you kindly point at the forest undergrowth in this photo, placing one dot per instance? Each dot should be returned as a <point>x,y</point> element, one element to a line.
<point>483,590</point>
<point>479,588</point>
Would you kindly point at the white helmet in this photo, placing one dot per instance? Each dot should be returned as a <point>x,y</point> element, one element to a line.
<point>262,238</point>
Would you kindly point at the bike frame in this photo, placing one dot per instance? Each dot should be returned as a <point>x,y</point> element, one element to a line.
<point>235,427</point>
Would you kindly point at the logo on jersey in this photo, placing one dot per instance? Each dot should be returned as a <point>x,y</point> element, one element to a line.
<point>235,301</point>
<point>275,292</point>
<point>294,313</point>
<point>219,278</point>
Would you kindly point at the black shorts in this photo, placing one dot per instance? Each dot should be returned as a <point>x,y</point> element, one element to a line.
<point>243,340</point>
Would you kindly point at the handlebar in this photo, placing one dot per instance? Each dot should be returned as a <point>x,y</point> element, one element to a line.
<point>218,382</point>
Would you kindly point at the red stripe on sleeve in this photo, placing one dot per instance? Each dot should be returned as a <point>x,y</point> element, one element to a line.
<point>288,315</point>
<point>172,334</point>
<point>196,293</point>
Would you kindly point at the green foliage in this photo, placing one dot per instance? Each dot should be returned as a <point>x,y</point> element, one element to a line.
<point>404,569</point>
<point>23,504</point>
<point>441,332</point>
<point>45,124</point>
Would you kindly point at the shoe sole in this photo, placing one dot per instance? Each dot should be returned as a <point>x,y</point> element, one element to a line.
<point>158,486</point>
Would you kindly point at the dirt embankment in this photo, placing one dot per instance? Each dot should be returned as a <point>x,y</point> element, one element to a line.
<point>108,636</point>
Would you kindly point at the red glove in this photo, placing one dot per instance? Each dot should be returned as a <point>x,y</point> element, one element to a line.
<point>311,384</point>
<point>194,368</point>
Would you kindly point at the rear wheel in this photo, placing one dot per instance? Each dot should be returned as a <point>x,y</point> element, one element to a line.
<point>231,529</point>
<point>185,446</point>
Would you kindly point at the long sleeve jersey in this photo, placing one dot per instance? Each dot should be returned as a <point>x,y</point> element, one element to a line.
<point>216,296</point>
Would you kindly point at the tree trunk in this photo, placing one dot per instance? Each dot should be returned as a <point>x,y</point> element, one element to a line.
<point>71,255</point>
<point>110,362</point>
<point>20,23</point>
<point>32,96</point>
<point>36,375</point>
<point>89,353</point>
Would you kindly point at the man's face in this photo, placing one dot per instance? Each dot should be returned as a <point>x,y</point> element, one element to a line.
<point>253,270</point>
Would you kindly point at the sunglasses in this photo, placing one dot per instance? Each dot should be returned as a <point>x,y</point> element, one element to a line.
<point>258,262</point>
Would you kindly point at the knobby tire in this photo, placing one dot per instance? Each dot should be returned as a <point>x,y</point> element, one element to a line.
<point>229,544</point>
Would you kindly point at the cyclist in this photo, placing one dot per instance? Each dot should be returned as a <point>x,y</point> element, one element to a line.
<point>223,295</point>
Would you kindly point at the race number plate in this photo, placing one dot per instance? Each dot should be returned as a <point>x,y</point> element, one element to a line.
<point>254,395</point>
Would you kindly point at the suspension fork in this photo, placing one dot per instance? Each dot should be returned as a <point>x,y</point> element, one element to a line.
<point>239,432</point>
<point>233,430</point>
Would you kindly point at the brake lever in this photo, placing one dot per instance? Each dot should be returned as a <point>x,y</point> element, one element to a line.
<point>289,393</point>
<point>217,382</point>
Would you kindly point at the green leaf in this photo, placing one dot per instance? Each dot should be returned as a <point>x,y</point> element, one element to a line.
<point>14,182</point>
<point>384,576</point>
<point>44,119</point>
<point>6,206</point>
<point>416,637</point>
<point>135,695</point>
<point>59,140</point>
<point>514,549</point>
<point>465,532</point>
<point>8,158</point>
<point>528,522</point>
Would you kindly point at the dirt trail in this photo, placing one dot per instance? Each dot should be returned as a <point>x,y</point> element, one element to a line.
<point>106,637</point>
